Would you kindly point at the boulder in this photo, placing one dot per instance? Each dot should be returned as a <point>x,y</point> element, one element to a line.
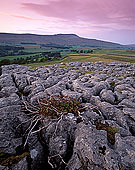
<point>110,112</point>
<point>13,99</point>
<point>20,81</point>
<point>108,96</point>
<point>6,81</point>
<point>91,150</point>
<point>126,87</point>
<point>125,147</point>
<point>100,86</point>
<point>127,103</point>
<point>7,91</point>
<point>59,138</point>
<point>72,94</point>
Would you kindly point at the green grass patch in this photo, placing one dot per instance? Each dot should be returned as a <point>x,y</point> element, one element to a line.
<point>120,58</point>
<point>15,57</point>
<point>119,52</point>
<point>98,55</point>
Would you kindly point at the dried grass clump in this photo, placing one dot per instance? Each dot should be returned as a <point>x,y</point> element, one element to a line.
<point>58,105</point>
<point>51,107</point>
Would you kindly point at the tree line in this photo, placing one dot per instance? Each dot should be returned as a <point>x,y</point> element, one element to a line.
<point>11,51</point>
<point>82,51</point>
<point>42,57</point>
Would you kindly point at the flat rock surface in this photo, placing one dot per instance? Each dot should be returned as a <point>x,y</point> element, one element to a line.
<point>101,139</point>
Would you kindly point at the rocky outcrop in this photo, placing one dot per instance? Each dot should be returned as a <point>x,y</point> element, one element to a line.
<point>100,137</point>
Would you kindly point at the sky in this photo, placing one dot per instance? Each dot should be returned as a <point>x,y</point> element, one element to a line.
<point>110,20</point>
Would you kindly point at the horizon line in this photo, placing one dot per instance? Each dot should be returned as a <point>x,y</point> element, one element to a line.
<point>41,34</point>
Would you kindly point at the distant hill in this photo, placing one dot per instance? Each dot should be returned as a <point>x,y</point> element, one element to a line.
<point>132,46</point>
<point>58,39</point>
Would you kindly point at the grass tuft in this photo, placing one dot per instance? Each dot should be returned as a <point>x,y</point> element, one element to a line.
<point>111,131</point>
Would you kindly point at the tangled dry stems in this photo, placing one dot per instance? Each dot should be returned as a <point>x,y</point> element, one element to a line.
<point>58,105</point>
<point>51,107</point>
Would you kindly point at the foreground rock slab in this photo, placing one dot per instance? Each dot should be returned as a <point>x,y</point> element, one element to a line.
<point>100,137</point>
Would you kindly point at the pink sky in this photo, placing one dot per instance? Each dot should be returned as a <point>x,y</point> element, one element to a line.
<point>112,20</point>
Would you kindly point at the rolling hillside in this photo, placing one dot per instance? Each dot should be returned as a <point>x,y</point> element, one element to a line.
<point>58,39</point>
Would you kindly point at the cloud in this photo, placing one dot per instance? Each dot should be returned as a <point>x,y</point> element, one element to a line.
<point>92,11</point>
<point>104,19</point>
<point>18,16</point>
<point>23,17</point>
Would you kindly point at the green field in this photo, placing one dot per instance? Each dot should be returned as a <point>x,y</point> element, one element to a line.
<point>35,50</point>
<point>102,55</point>
<point>15,57</point>
<point>118,52</point>
<point>105,55</point>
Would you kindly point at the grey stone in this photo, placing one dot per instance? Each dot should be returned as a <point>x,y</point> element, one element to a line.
<point>126,149</point>
<point>20,80</point>
<point>37,153</point>
<point>100,86</point>
<point>127,103</point>
<point>130,117</point>
<point>34,99</point>
<point>56,89</point>
<point>92,114</point>
<point>84,79</point>
<point>33,153</point>
<point>72,94</point>
<point>91,150</point>
<point>95,100</point>
<point>59,137</point>
<point>126,87</point>
<point>108,96</point>
<point>110,112</point>
<point>13,99</point>
<point>27,90</point>
<point>36,91</point>
<point>3,168</point>
<point>6,80</point>
<point>119,96</point>
<point>87,94</point>
<point>7,91</point>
